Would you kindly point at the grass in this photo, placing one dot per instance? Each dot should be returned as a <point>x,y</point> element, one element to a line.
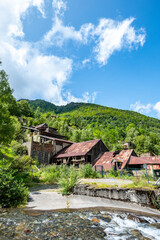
<point>138,183</point>
<point>67,177</point>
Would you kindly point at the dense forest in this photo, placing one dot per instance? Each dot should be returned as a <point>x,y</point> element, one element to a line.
<point>78,121</point>
<point>84,121</point>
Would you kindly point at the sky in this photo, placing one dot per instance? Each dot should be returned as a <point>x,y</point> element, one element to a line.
<point>99,51</point>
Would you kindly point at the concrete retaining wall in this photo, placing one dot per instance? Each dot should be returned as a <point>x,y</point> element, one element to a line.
<point>145,197</point>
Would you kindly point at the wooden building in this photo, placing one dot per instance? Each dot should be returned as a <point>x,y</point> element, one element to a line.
<point>44,143</point>
<point>81,153</point>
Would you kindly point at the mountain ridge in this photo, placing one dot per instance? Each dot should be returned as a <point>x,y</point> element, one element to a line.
<point>46,106</point>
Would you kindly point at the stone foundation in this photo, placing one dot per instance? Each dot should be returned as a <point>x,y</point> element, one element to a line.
<point>139,196</point>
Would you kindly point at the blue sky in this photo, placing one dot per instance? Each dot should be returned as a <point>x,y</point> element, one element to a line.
<point>101,51</point>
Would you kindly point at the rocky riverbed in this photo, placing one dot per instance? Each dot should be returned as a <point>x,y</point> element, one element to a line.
<point>78,225</point>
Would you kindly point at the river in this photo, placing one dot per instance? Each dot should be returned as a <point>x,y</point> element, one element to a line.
<point>78,225</point>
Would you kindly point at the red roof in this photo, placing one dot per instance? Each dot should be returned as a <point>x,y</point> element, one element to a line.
<point>145,160</point>
<point>124,156</point>
<point>105,160</point>
<point>78,149</point>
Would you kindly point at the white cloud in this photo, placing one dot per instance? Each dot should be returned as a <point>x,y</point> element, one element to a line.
<point>145,109</point>
<point>85,61</point>
<point>60,33</point>
<point>113,36</point>
<point>108,36</point>
<point>31,73</point>
<point>138,107</point>
<point>59,7</point>
<point>34,74</point>
<point>157,108</point>
<point>11,13</point>
<point>86,97</point>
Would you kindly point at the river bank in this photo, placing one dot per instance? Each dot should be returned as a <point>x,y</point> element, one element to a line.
<point>77,225</point>
<point>47,197</point>
<point>49,215</point>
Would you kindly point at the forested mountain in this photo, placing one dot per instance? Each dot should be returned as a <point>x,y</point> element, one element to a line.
<point>45,106</point>
<point>83,121</point>
<point>77,121</point>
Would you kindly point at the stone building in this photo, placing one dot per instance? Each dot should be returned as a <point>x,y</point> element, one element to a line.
<point>48,146</point>
<point>44,143</point>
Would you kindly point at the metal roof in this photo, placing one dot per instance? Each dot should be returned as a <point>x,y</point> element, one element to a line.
<point>30,128</point>
<point>78,149</point>
<point>106,160</point>
<point>55,139</point>
<point>144,160</point>
<point>41,125</point>
<point>44,125</point>
<point>124,156</point>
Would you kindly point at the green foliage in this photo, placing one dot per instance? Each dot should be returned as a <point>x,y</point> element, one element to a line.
<point>68,179</point>
<point>9,158</point>
<point>12,191</point>
<point>22,165</point>
<point>10,128</point>
<point>88,172</point>
<point>113,173</point>
<point>50,173</point>
<point>18,148</point>
<point>83,122</point>
<point>65,176</point>
<point>25,109</point>
<point>7,104</point>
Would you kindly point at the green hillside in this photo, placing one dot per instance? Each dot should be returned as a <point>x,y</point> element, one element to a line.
<point>83,121</point>
<point>45,106</point>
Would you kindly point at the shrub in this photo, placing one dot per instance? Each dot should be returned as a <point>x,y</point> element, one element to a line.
<point>18,148</point>
<point>12,190</point>
<point>68,180</point>
<point>22,163</point>
<point>50,174</point>
<point>113,173</point>
<point>87,172</point>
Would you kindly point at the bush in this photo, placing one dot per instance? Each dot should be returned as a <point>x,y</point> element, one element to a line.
<point>12,190</point>
<point>22,163</point>
<point>87,172</point>
<point>68,180</point>
<point>113,173</point>
<point>50,174</point>
<point>18,148</point>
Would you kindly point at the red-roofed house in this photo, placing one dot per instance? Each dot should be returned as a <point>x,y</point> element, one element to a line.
<point>106,160</point>
<point>81,153</point>
<point>122,159</point>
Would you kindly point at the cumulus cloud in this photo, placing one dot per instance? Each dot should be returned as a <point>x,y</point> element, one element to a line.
<point>138,107</point>
<point>157,108</point>
<point>86,97</point>
<point>59,7</point>
<point>61,33</point>
<point>11,13</point>
<point>108,35</point>
<point>31,73</point>
<point>146,109</point>
<point>113,36</point>
<point>34,74</point>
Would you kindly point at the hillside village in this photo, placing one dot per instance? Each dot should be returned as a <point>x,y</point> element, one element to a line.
<point>49,147</point>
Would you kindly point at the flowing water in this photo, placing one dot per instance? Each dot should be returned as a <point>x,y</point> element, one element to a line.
<point>79,225</point>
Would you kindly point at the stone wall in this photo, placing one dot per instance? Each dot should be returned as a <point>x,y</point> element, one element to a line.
<point>139,196</point>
